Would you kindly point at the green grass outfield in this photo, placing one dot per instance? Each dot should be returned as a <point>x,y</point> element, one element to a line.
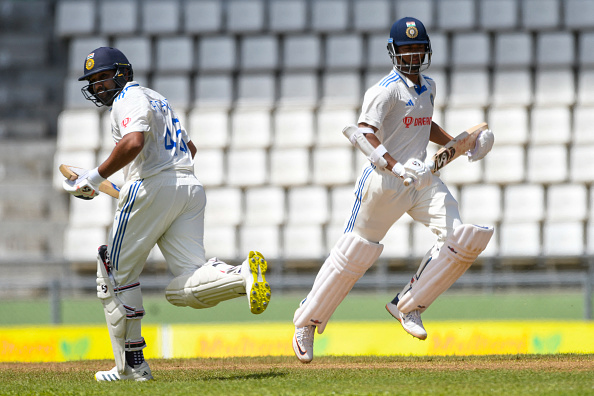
<point>356,307</point>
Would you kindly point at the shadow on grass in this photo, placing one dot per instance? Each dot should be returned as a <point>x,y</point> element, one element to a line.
<point>256,376</point>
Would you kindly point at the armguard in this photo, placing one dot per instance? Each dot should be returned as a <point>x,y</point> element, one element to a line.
<point>358,139</point>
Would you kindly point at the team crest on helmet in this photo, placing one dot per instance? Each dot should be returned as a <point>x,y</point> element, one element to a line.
<point>90,62</point>
<point>411,30</point>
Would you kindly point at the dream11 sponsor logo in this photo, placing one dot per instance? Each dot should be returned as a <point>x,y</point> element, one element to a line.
<point>418,121</point>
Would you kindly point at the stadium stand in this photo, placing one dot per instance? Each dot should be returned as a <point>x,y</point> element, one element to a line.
<point>265,86</point>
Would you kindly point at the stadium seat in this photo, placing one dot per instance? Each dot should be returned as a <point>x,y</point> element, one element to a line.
<point>221,241</point>
<point>247,167</point>
<point>417,7</point>
<point>122,22</point>
<point>373,15</point>
<point>75,18</point>
<point>513,49</point>
<point>342,200</point>
<point>523,203</point>
<point>540,14</point>
<point>469,88</point>
<point>330,123</point>
<point>555,49</point>
<point>461,171</point>
<point>256,90</point>
<point>245,16</point>
<point>224,207</point>
<point>174,54</point>
<point>303,242</point>
<point>375,53</point>
<point>567,202</point>
<point>288,16</point>
<point>498,15</point>
<point>293,128</point>
<point>250,128</point>
<point>554,87</point>
<point>259,53</point>
<point>440,47</point>
<point>209,167</point>
<point>578,14</point>
<point>586,49</point>
<point>213,91</point>
<point>581,163</point>
<point>202,17</point>
<point>343,52</point>
<point>512,87</point>
<point>216,54</point>
<point>509,124</point>
<point>79,130</point>
<point>290,167</point>
<point>397,242</point>
<point>547,164</point>
<point>519,239</point>
<point>160,17</point>
<point>308,205</point>
<point>585,95</point>
<point>208,128</point>
<point>98,212</point>
<point>480,204</point>
<point>330,15</point>
<point>138,50</point>
<point>265,239</point>
<point>333,166</point>
<point>458,119</point>
<point>583,119</point>
<point>302,52</point>
<point>264,206</point>
<point>298,89</point>
<point>175,88</point>
<point>471,50</point>
<point>565,238</point>
<point>456,15</point>
<point>88,239</point>
<point>550,125</point>
<point>341,89</point>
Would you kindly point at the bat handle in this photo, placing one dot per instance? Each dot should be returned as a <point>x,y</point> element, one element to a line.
<point>430,164</point>
<point>408,181</point>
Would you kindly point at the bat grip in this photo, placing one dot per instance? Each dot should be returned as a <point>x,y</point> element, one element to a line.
<point>430,164</point>
<point>407,182</point>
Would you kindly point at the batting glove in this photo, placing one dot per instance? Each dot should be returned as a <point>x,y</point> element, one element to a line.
<point>419,172</point>
<point>484,143</point>
<point>86,186</point>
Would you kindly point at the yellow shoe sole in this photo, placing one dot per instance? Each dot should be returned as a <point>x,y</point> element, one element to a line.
<point>259,295</point>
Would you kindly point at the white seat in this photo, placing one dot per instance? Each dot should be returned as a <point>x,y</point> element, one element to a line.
<point>250,129</point>
<point>264,206</point>
<point>555,49</point>
<point>88,239</point>
<point>513,49</point>
<point>259,53</point>
<point>550,125</point>
<point>417,7</point>
<point>247,167</point>
<point>303,242</point>
<point>302,52</point>
<point>289,167</point>
<point>223,207</point>
<point>523,203</point>
<point>547,164</point>
<point>481,204</point>
<point>333,166</point>
<point>342,200</point>
<point>160,17</point>
<point>261,238</point>
<point>469,88</point>
<point>581,163</point>
<point>567,202</point>
<point>73,97</point>
<point>79,130</point>
<point>122,22</point>
<point>397,242</point>
<point>512,87</point>
<point>583,119</point>
<point>175,88</point>
<point>204,16</point>
<point>470,50</point>
<point>330,15</point>
<point>175,54</point>
<point>308,205</point>
<point>422,239</point>
<point>373,15</point>
<point>519,239</point>
<point>245,16</point>
<point>461,171</point>
<point>498,15</point>
<point>209,128</point>
<point>509,124</point>
<point>540,14</point>
<point>341,88</point>
<point>440,57</point>
<point>85,159</point>
<point>138,51</point>
<point>456,15</point>
<point>288,16</point>
<point>554,87</point>
<point>293,128</point>
<point>221,241</point>
<point>256,90</point>
<point>75,18</point>
<point>298,89</point>
<point>343,51</point>
<point>216,53</point>
<point>586,49</point>
<point>78,50</point>
<point>457,120</point>
<point>578,14</point>
<point>209,167</point>
<point>213,91</point>
<point>585,94</point>
<point>376,54</point>
<point>505,164</point>
<point>564,238</point>
<point>98,212</point>
<point>330,124</point>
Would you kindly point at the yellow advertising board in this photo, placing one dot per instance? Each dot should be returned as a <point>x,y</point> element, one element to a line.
<point>66,343</point>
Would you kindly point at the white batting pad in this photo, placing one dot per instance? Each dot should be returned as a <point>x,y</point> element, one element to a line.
<point>204,288</point>
<point>346,264</point>
<point>444,266</point>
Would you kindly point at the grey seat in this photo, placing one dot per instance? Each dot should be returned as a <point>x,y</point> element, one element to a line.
<point>74,18</point>
<point>175,54</point>
<point>216,53</point>
<point>288,16</point>
<point>344,52</point>
<point>160,17</point>
<point>302,52</point>
<point>456,15</point>
<point>372,16</point>
<point>578,14</point>
<point>330,15</point>
<point>259,53</point>
<point>122,22</point>
<point>541,14</point>
<point>245,16</point>
<point>498,15</point>
<point>202,16</point>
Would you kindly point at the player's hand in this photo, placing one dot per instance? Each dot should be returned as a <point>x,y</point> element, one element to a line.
<point>419,172</point>
<point>484,143</point>
<point>86,186</point>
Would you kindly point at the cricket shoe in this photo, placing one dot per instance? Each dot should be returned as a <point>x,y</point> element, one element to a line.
<point>256,287</point>
<point>411,322</point>
<point>303,343</point>
<point>140,373</point>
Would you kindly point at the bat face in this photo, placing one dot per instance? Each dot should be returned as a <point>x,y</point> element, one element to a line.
<point>443,158</point>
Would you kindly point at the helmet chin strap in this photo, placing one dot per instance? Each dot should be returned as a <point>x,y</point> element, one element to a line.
<point>120,81</point>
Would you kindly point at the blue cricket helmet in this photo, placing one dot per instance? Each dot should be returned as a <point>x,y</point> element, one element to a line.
<point>408,31</point>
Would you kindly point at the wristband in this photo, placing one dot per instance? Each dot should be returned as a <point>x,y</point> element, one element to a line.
<point>378,153</point>
<point>398,169</point>
<point>94,177</point>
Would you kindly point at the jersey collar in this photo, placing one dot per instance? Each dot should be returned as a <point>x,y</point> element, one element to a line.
<point>419,89</point>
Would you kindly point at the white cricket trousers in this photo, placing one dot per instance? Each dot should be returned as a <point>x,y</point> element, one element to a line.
<point>166,209</point>
<point>381,199</point>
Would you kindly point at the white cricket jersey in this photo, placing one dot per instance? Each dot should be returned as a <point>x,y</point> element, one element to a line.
<point>402,114</point>
<point>140,109</point>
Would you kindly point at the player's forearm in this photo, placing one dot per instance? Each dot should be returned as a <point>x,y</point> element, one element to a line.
<point>124,152</point>
<point>438,135</point>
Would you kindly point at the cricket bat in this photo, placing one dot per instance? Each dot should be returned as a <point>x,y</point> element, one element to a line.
<point>72,172</point>
<point>453,149</point>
